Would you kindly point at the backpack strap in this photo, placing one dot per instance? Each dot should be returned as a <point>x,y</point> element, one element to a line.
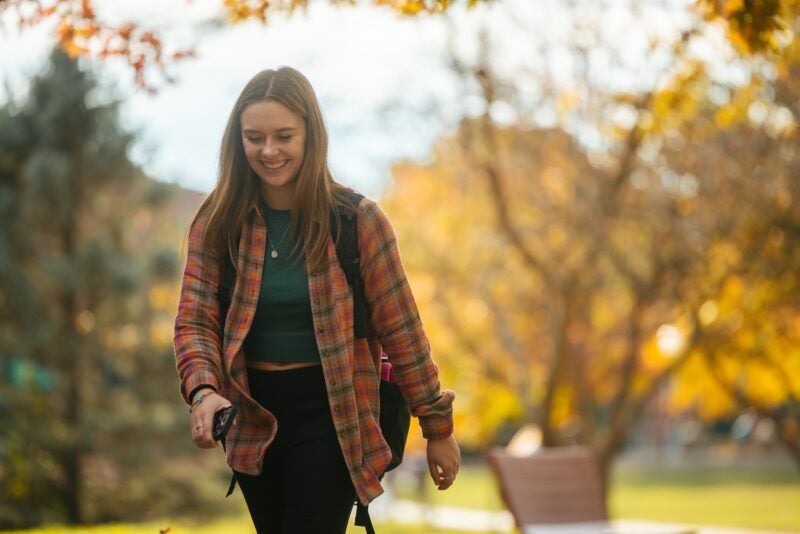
<point>225,290</point>
<point>344,229</point>
<point>363,519</point>
<point>224,294</point>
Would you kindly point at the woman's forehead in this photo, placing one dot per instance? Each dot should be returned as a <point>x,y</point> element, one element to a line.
<point>269,115</point>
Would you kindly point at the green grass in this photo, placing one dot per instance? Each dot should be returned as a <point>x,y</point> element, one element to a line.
<point>228,526</point>
<point>745,498</point>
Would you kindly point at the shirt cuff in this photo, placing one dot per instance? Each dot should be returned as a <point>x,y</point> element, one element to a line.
<point>198,388</point>
<point>436,419</point>
<point>197,380</point>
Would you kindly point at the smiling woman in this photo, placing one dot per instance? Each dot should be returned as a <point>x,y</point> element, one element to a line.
<point>306,442</point>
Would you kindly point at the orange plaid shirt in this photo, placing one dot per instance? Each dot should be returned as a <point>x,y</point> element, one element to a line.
<point>351,366</point>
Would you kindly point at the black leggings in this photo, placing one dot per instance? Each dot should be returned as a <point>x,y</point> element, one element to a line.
<point>304,486</point>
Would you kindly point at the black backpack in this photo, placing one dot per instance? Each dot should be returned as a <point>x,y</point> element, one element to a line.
<point>395,415</point>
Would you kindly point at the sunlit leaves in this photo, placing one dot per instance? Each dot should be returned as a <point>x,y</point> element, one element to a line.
<point>414,7</point>
<point>756,26</point>
<point>79,31</point>
<point>240,10</point>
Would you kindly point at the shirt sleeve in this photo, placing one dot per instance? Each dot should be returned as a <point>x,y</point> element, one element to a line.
<point>197,341</point>
<point>397,324</point>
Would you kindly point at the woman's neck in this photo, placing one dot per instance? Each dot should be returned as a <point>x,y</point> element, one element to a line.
<point>278,200</point>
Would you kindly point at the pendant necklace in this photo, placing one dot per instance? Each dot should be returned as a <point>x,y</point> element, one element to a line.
<point>274,253</point>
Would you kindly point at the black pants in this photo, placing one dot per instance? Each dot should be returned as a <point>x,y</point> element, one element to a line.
<point>304,486</point>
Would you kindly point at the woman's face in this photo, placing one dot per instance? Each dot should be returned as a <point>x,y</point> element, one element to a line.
<point>274,140</point>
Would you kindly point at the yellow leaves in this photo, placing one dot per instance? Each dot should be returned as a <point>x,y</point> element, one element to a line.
<point>556,237</point>
<point>556,186</point>
<point>241,10</point>
<point>679,102</point>
<point>729,7</point>
<point>708,312</point>
<point>742,105</point>
<point>693,388</point>
<point>726,115</point>
<point>754,27</point>
<point>563,406</point>
<point>567,101</point>
<point>415,7</point>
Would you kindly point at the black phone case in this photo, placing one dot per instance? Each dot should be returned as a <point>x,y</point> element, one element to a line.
<point>222,422</point>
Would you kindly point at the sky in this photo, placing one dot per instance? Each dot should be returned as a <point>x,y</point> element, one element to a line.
<point>383,80</point>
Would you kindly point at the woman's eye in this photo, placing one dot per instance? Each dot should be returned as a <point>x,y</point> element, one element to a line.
<point>254,139</point>
<point>284,137</point>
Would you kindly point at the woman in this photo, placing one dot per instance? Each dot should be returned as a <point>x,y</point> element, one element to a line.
<point>306,440</point>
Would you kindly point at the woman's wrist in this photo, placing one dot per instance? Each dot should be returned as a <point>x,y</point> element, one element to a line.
<point>201,394</point>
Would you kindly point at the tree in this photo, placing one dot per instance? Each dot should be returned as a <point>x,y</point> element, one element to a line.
<point>575,276</point>
<point>91,428</point>
<point>745,154</point>
<point>80,32</point>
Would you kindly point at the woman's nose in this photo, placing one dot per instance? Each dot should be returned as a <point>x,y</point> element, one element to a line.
<point>270,148</point>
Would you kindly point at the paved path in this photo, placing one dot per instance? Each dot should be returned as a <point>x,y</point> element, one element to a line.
<point>403,511</point>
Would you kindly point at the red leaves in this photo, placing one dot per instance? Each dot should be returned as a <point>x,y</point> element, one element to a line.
<point>80,32</point>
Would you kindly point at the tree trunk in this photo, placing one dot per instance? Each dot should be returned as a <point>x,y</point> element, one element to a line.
<point>72,354</point>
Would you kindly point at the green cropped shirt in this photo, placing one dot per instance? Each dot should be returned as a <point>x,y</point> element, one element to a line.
<point>282,328</point>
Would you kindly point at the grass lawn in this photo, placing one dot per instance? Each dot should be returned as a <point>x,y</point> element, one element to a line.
<point>745,498</point>
<point>229,526</point>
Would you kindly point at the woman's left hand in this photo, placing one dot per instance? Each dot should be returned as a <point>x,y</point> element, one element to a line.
<point>444,459</point>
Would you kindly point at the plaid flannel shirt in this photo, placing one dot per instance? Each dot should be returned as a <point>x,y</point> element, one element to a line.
<point>351,366</point>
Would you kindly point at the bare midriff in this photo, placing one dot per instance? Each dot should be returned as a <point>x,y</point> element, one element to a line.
<point>278,366</point>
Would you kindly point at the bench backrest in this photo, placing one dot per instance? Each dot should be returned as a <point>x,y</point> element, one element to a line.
<point>554,485</point>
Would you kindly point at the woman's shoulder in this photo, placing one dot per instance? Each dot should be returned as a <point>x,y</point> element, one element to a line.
<point>369,210</point>
<point>197,227</point>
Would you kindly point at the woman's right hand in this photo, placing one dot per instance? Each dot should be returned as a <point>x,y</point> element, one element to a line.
<point>202,418</point>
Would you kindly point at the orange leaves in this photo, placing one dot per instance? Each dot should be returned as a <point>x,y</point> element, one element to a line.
<point>755,27</point>
<point>79,32</point>
<point>241,10</point>
<point>414,7</point>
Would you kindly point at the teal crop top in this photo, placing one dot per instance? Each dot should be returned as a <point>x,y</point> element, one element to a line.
<point>282,328</point>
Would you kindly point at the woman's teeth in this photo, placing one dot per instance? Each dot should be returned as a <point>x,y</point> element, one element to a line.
<point>273,166</point>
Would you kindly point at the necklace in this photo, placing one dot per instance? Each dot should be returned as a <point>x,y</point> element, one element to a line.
<point>274,253</point>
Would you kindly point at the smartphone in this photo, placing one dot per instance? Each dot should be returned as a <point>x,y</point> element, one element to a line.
<point>222,421</point>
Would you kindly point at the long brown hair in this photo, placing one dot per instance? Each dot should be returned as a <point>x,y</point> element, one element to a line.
<point>316,194</point>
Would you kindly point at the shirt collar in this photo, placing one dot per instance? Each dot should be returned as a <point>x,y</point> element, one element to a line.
<point>256,206</point>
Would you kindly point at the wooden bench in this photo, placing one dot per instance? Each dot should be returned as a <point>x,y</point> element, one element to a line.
<point>552,486</point>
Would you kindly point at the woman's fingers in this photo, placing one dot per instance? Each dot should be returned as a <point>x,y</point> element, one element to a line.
<point>201,433</point>
<point>444,458</point>
<point>443,478</point>
<point>202,421</point>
